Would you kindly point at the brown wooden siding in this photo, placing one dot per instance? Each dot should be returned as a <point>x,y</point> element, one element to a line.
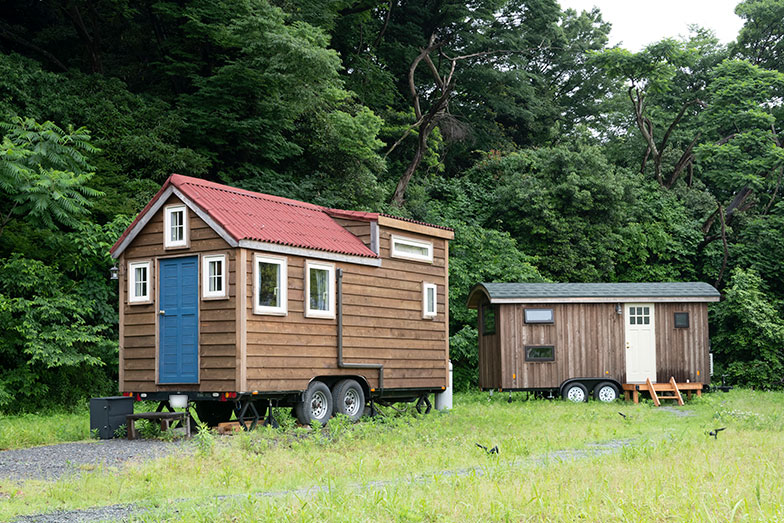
<point>217,318</point>
<point>682,353</point>
<point>382,323</point>
<point>360,229</point>
<point>588,340</point>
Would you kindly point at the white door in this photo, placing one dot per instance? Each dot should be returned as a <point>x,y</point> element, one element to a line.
<point>640,342</point>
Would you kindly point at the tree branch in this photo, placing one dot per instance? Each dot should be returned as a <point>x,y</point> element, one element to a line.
<point>6,33</point>
<point>386,24</point>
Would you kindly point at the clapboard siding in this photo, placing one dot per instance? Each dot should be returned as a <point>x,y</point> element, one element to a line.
<point>360,229</point>
<point>217,322</point>
<point>682,353</point>
<point>382,323</point>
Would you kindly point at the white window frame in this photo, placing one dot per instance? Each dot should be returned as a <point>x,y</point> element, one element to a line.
<point>167,214</point>
<point>426,314</point>
<point>282,309</point>
<point>315,313</point>
<point>205,276</point>
<point>132,297</point>
<point>395,239</point>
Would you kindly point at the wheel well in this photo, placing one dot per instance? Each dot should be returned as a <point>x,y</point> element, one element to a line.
<point>332,380</point>
<point>588,383</point>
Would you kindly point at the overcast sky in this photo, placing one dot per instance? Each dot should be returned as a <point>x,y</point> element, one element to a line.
<point>637,23</point>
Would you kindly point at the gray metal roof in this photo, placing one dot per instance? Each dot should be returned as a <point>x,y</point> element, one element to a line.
<point>508,292</point>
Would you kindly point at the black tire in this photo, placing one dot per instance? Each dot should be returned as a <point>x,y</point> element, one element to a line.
<point>348,398</point>
<point>316,404</point>
<point>575,392</point>
<point>606,392</point>
<point>214,412</point>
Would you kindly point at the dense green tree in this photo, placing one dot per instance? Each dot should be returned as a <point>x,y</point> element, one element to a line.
<point>761,40</point>
<point>749,338</point>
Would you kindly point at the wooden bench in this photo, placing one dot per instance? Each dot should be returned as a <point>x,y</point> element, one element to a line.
<point>165,419</point>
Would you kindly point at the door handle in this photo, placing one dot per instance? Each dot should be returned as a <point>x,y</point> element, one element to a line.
<point>161,312</point>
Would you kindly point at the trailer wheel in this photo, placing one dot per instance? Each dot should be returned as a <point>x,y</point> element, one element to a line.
<point>575,392</point>
<point>606,392</point>
<point>316,404</point>
<point>214,412</point>
<point>349,399</point>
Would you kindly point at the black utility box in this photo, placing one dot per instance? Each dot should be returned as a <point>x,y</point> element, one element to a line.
<point>108,414</point>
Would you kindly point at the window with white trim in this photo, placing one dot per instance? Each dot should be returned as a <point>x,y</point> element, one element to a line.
<point>539,316</point>
<point>213,270</point>
<point>319,290</point>
<point>175,230</point>
<point>139,282</point>
<point>270,295</point>
<point>411,249</point>
<point>429,300</point>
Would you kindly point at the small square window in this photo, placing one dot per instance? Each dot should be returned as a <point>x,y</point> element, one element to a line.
<point>319,290</point>
<point>270,286</point>
<point>139,282</point>
<point>539,353</point>
<point>429,298</point>
<point>213,284</point>
<point>488,319</point>
<point>681,320</point>
<point>175,230</point>
<point>411,249</point>
<point>539,316</point>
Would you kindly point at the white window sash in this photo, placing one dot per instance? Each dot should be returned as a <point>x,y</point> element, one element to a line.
<point>133,296</point>
<point>396,252</point>
<point>427,290</point>
<point>328,296</point>
<point>208,278</point>
<point>281,290</point>
<point>167,226</point>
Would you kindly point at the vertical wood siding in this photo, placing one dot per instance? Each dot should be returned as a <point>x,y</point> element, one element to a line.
<point>588,341</point>
<point>382,323</point>
<point>217,352</point>
<point>682,353</point>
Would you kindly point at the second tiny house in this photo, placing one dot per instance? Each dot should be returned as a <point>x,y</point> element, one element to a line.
<point>575,339</point>
<point>233,298</point>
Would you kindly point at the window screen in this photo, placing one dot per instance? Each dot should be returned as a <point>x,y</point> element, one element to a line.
<point>488,319</point>
<point>539,353</point>
<point>681,320</point>
<point>539,315</point>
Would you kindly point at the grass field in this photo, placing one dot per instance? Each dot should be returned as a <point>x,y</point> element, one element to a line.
<point>557,462</point>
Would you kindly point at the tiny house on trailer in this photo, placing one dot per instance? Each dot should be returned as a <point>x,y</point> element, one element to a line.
<point>574,339</point>
<point>235,299</point>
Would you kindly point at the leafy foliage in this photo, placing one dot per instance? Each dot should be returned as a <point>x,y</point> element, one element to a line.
<point>749,339</point>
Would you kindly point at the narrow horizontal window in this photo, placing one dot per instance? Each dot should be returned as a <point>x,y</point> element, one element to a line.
<point>539,316</point>
<point>319,290</point>
<point>411,249</point>
<point>488,319</point>
<point>681,320</point>
<point>139,282</point>
<point>175,230</point>
<point>270,285</point>
<point>539,353</point>
<point>214,270</point>
<point>429,295</point>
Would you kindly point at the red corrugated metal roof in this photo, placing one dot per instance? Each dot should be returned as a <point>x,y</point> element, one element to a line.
<point>247,215</point>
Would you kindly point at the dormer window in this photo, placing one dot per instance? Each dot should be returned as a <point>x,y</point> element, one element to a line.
<point>175,230</point>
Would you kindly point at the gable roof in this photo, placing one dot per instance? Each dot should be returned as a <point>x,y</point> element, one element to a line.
<point>237,215</point>
<point>592,292</point>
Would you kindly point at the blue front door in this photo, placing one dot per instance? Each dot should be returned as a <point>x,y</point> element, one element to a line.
<point>178,356</point>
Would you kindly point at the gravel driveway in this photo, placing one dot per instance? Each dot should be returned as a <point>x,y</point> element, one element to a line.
<point>53,461</point>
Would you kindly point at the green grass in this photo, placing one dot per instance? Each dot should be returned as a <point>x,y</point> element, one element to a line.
<point>29,430</point>
<point>668,469</point>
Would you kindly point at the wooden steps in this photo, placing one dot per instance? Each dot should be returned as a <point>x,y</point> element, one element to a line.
<point>661,391</point>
